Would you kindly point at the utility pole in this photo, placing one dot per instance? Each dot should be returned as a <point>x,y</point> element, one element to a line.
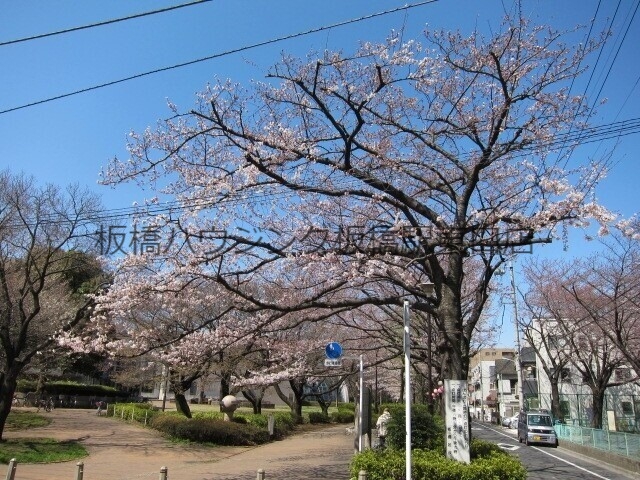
<point>517,327</point>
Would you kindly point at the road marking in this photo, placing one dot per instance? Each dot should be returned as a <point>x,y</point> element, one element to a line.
<point>547,453</point>
<point>506,446</point>
<point>572,464</point>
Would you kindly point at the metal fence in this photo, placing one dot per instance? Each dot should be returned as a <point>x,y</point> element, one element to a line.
<point>626,444</point>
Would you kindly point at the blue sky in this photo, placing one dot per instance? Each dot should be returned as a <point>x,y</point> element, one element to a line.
<point>71,139</point>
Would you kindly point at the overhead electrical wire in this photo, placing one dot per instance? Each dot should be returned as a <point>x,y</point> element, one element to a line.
<point>593,134</point>
<point>100,24</point>
<point>218,55</point>
<point>624,37</point>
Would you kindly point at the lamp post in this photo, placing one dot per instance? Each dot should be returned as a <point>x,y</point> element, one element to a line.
<point>407,390</point>
<point>427,288</point>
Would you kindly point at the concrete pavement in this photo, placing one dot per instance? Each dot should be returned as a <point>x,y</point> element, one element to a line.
<point>122,451</point>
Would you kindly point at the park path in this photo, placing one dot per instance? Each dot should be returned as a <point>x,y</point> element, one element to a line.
<point>123,451</point>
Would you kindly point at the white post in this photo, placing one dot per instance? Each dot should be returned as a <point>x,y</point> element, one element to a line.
<point>361,407</point>
<point>407,389</point>
<point>79,471</point>
<point>11,471</point>
<point>163,473</point>
<point>517,327</point>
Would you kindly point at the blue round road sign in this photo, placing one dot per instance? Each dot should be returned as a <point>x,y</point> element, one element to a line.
<point>333,350</point>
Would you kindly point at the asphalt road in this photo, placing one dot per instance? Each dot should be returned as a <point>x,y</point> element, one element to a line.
<point>546,463</point>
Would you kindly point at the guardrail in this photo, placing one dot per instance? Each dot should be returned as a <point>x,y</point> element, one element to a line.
<point>620,443</point>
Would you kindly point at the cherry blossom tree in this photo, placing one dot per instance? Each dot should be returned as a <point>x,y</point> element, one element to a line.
<point>44,276</point>
<point>566,333</point>
<point>607,287</point>
<point>390,166</point>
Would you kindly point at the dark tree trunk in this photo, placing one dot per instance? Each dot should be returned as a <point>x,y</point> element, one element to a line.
<point>283,397</point>
<point>295,403</point>
<point>597,406</point>
<point>225,384</point>
<point>324,404</point>
<point>8,385</point>
<point>555,399</point>
<point>255,398</point>
<point>297,387</point>
<point>182,405</point>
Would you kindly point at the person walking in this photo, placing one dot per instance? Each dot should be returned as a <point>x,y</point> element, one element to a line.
<point>381,425</point>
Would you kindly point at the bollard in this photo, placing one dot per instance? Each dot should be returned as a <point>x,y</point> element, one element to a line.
<point>260,474</point>
<point>146,413</point>
<point>163,473</point>
<point>11,469</point>
<point>79,471</point>
<point>362,475</point>
<point>271,424</point>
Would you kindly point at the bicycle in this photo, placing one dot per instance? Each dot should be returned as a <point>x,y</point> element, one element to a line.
<point>47,405</point>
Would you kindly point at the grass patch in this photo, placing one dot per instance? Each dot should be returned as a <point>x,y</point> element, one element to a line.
<point>40,450</point>
<point>25,420</point>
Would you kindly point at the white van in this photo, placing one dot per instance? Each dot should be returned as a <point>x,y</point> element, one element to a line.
<point>536,426</point>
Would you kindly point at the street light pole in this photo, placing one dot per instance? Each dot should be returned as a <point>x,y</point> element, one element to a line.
<point>407,387</point>
<point>361,407</point>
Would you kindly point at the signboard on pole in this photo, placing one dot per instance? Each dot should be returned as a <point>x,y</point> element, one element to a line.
<point>456,401</point>
<point>332,362</point>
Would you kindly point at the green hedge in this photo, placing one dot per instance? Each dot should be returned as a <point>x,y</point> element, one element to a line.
<point>209,430</point>
<point>488,463</point>
<point>138,412</point>
<point>343,416</point>
<point>71,388</point>
<point>427,431</point>
<point>318,417</point>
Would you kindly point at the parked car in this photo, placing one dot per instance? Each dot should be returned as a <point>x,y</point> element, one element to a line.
<point>536,426</point>
<point>510,422</point>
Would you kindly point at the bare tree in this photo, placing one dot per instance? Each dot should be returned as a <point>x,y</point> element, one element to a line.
<point>43,274</point>
<point>608,289</point>
<point>564,333</point>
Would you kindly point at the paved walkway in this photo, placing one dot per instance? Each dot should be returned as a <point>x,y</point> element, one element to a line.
<point>122,451</point>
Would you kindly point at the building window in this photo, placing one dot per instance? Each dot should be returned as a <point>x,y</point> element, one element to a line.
<point>627,408</point>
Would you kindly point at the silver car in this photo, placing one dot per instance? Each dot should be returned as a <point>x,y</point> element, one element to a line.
<point>536,427</point>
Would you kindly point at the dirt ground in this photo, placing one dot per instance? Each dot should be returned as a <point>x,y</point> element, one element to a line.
<point>120,451</point>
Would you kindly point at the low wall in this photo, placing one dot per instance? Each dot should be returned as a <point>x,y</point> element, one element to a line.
<point>619,461</point>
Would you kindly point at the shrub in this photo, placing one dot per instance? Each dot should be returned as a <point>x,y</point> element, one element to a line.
<point>482,448</point>
<point>167,424</point>
<point>431,465</point>
<point>349,407</point>
<point>70,388</point>
<point>427,431</point>
<point>343,416</point>
<point>139,412</point>
<point>210,430</point>
<point>318,417</point>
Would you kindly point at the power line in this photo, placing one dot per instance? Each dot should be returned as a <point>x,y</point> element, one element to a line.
<point>100,24</point>
<point>218,55</point>
<point>594,134</point>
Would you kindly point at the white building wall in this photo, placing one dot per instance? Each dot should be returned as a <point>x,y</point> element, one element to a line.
<point>623,400</point>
